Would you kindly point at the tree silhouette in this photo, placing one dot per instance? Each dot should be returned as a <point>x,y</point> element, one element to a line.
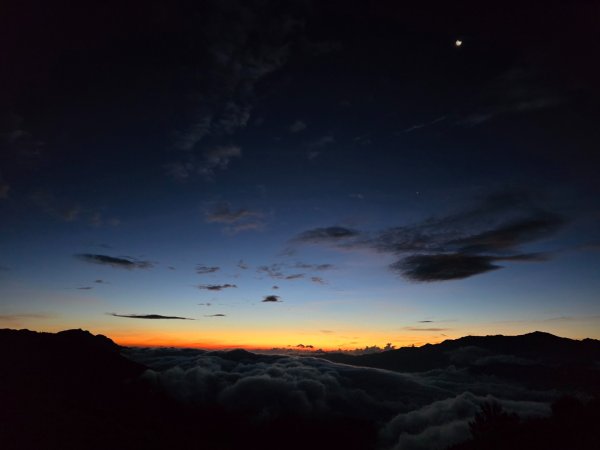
<point>492,421</point>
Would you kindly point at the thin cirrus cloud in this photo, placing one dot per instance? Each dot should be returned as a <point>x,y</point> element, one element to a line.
<point>216,287</point>
<point>149,316</point>
<point>425,329</point>
<point>297,126</point>
<point>327,235</point>
<point>233,68</point>
<point>456,246</point>
<point>206,165</point>
<point>516,91</point>
<point>215,315</point>
<point>235,221</point>
<point>113,261</point>
<point>24,316</point>
<point>4,189</point>
<point>71,212</point>
<point>314,267</point>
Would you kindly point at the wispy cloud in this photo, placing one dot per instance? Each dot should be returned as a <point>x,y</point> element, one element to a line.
<point>231,69</point>
<point>202,269</point>
<point>295,276</point>
<point>516,91</point>
<point>4,189</point>
<point>425,329</point>
<point>206,165</point>
<point>24,316</point>
<point>223,213</point>
<point>120,262</point>
<point>275,271</point>
<point>297,126</point>
<point>322,141</point>
<point>315,147</point>
<point>235,221</point>
<point>327,235</point>
<point>314,267</point>
<point>215,315</point>
<point>69,211</point>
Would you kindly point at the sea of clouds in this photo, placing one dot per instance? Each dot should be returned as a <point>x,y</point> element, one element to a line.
<point>425,410</point>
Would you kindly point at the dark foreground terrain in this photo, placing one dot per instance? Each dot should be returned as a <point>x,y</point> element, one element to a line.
<point>74,390</point>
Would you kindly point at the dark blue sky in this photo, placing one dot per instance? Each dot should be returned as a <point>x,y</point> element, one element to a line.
<point>349,153</point>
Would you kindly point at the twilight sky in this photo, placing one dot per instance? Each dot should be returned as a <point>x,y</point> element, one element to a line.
<point>334,174</point>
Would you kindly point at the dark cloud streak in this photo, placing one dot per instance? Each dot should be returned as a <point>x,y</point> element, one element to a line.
<point>148,316</point>
<point>216,287</point>
<point>121,262</point>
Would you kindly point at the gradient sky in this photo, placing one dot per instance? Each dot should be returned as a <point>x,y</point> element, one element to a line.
<point>347,161</point>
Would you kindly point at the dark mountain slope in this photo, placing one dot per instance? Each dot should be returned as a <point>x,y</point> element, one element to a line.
<point>74,390</point>
<point>537,359</point>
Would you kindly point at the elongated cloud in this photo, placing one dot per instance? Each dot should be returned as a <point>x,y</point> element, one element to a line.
<point>148,316</point>
<point>425,329</point>
<point>216,287</point>
<point>201,269</point>
<point>271,298</point>
<point>235,220</point>
<point>314,266</point>
<point>327,234</point>
<point>120,262</point>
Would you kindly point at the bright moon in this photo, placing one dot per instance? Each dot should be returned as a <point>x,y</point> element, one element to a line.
<point>458,42</point>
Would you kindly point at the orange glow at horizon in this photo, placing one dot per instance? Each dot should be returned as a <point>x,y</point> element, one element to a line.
<point>270,340</point>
